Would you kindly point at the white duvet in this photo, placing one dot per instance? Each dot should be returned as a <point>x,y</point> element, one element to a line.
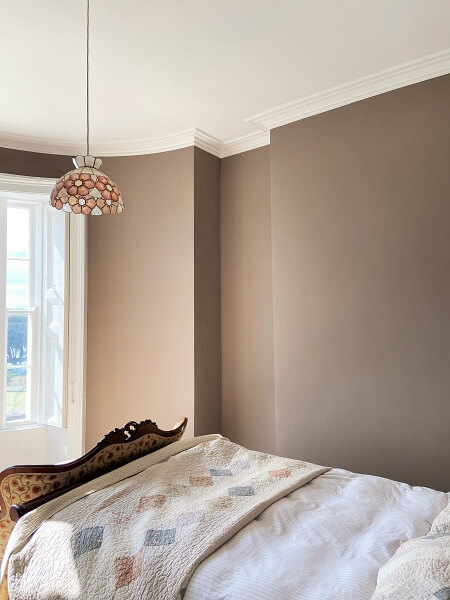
<point>325,541</point>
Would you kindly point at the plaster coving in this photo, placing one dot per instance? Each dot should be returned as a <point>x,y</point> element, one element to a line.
<point>405,74</point>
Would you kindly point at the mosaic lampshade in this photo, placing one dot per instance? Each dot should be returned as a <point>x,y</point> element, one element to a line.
<point>87,190</point>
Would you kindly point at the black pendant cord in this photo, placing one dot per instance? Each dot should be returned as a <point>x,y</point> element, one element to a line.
<point>87,79</point>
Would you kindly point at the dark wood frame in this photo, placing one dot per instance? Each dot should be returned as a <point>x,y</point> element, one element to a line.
<point>131,432</point>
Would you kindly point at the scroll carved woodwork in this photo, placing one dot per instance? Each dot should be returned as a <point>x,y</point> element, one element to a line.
<point>25,487</point>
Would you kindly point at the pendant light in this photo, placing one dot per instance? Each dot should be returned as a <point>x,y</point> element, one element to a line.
<point>86,190</point>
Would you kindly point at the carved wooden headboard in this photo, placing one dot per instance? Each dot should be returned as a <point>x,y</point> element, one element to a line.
<point>24,487</point>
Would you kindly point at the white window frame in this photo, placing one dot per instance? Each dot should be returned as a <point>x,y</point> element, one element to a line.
<point>16,187</point>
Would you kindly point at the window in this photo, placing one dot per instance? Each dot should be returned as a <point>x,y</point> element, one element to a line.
<point>33,327</point>
<point>42,342</point>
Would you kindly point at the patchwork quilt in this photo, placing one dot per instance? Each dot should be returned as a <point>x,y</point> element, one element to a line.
<point>420,569</point>
<point>148,524</point>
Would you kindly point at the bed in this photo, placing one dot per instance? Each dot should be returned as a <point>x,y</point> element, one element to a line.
<point>146,514</point>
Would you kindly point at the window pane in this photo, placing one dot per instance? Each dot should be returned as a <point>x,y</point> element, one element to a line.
<point>17,387</point>
<point>17,284</point>
<point>18,233</point>
<point>19,337</point>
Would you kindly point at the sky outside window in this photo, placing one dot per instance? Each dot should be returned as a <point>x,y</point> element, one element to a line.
<point>18,253</point>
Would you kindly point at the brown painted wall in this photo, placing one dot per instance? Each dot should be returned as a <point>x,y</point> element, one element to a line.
<point>248,409</point>
<point>141,297</point>
<point>207,350</point>
<point>33,164</point>
<point>361,271</point>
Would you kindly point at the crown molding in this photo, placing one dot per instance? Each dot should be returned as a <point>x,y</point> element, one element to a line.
<point>154,145</point>
<point>244,143</point>
<point>165,143</point>
<point>405,74</point>
<point>427,67</point>
<point>41,145</point>
<point>207,142</point>
<point>229,147</point>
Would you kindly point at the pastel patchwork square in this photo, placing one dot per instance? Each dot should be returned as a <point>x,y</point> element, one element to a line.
<point>147,502</point>
<point>127,569</point>
<point>221,503</point>
<point>190,518</point>
<point>241,490</point>
<point>121,519</point>
<point>280,473</point>
<point>175,490</point>
<point>220,473</point>
<point>160,537</point>
<point>89,538</point>
<point>201,481</point>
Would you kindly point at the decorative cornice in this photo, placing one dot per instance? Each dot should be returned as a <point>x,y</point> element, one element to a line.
<point>244,143</point>
<point>175,141</point>
<point>165,143</point>
<point>228,148</point>
<point>427,67</point>
<point>359,89</point>
<point>207,142</point>
<point>41,145</point>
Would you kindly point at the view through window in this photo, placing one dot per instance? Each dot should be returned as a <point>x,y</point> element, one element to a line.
<point>33,328</point>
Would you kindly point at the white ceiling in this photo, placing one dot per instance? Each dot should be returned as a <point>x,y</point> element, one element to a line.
<point>160,67</point>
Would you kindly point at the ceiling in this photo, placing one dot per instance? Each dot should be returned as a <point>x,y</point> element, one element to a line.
<point>163,71</point>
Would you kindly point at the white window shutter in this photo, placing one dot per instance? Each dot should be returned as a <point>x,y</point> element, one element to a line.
<point>54,317</point>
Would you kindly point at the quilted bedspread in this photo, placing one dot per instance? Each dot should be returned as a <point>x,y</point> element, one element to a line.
<point>420,569</point>
<point>148,524</point>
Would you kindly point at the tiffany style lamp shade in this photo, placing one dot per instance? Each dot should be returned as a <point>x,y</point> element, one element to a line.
<point>87,190</point>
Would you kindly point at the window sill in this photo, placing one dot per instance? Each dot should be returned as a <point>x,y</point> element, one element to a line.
<point>32,444</point>
<point>25,445</point>
<point>22,427</point>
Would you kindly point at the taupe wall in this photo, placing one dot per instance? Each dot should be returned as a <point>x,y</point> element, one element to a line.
<point>207,348</point>
<point>358,233</point>
<point>248,409</point>
<point>361,271</point>
<point>154,296</point>
<point>33,164</point>
<point>141,297</point>
<point>355,236</point>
